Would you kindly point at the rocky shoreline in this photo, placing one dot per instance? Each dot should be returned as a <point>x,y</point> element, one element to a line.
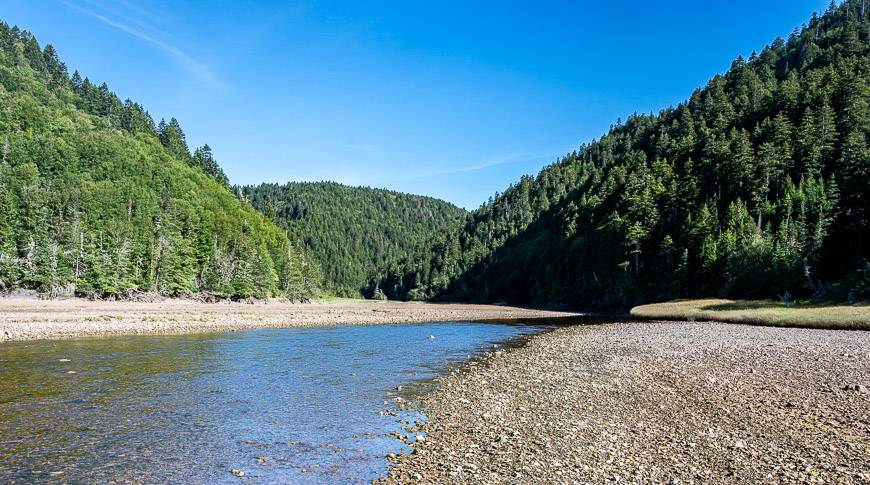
<point>33,318</point>
<point>653,402</point>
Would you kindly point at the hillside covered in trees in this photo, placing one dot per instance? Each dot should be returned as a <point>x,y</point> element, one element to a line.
<point>97,200</point>
<point>353,231</point>
<point>754,186</point>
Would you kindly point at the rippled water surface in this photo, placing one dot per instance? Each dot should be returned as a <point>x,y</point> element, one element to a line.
<point>281,405</point>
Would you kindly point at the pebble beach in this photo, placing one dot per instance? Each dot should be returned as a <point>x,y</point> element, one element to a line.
<point>34,318</point>
<point>653,402</point>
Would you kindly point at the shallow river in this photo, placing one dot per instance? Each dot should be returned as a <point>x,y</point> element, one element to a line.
<point>280,405</point>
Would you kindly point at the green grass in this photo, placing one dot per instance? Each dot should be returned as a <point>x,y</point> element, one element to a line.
<point>756,312</point>
<point>333,298</point>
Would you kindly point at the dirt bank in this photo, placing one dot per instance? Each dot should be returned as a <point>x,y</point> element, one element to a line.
<point>31,318</point>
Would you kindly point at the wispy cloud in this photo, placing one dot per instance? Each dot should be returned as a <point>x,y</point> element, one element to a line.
<point>139,11</point>
<point>194,67</point>
<point>496,161</point>
<point>127,13</point>
<point>367,148</point>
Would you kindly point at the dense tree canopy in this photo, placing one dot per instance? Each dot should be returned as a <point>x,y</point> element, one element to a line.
<point>97,200</point>
<point>352,231</point>
<point>756,185</point>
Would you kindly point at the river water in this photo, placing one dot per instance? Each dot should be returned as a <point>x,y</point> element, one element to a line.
<point>280,405</point>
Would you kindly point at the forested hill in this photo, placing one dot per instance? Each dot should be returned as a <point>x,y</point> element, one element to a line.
<point>756,185</point>
<point>97,200</point>
<point>353,231</point>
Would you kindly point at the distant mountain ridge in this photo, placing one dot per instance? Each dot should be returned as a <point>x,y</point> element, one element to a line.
<point>756,186</point>
<point>353,231</point>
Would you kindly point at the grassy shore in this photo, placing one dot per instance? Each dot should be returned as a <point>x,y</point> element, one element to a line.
<point>754,312</point>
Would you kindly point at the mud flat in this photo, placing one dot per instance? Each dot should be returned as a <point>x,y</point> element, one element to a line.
<point>33,318</point>
<point>662,402</point>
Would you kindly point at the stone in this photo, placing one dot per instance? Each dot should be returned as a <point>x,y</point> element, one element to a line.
<point>860,388</point>
<point>739,444</point>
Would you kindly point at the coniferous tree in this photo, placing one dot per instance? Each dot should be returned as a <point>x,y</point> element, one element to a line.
<point>204,160</point>
<point>172,137</point>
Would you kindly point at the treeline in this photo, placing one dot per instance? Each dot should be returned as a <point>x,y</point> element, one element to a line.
<point>352,231</point>
<point>755,186</point>
<point>97,200</point>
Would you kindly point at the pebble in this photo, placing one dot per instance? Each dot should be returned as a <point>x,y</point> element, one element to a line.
<point>652,402</point>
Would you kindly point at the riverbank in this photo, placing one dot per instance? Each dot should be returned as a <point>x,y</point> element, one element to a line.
<point>760,312</point>
<point>654,402</point>
<point>32,318</point>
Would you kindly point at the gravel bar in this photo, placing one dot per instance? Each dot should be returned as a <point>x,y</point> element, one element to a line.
<point>33,318</point>
<point>653,402</point>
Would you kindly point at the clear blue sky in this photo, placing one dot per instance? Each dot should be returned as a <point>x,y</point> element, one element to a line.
<point>454,99</point>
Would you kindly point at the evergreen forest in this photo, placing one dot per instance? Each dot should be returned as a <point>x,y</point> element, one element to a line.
<point>352,231</point>
<point>98,200</point>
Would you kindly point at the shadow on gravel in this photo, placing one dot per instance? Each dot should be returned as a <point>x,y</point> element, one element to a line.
<point>569,321</point>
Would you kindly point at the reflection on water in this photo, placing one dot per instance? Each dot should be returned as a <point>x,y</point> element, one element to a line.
<point>278,404</point>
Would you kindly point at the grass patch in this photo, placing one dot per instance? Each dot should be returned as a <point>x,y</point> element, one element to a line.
<point>104,318</point>
<point>333,298</point>
<point>759,312</point>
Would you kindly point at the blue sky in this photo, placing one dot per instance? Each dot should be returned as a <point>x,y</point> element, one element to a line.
<point>453,99</point>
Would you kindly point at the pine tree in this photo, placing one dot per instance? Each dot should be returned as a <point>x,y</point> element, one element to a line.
<point>34,56</point>
<point>204,160</point>
<point>56,69</point>
<point>172,137</point>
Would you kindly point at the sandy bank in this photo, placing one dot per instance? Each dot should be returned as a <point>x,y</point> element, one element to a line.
<point>30,318</point>
<point>652,402</point>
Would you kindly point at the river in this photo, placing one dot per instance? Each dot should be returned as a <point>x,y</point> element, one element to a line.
<point>314,405</point>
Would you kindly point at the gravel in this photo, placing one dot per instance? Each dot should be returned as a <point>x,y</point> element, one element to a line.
<point>32,318</point>
<point>663,402</point>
